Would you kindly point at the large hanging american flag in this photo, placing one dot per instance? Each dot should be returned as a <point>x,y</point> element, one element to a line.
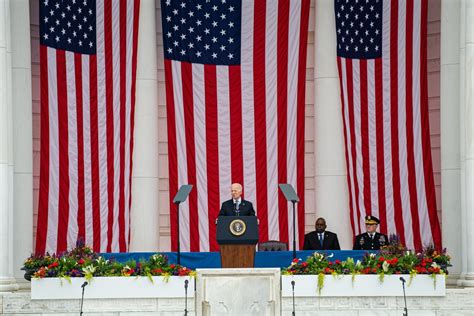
<point>382,62</point>
<point>88,54</point>
<point>235,91</point>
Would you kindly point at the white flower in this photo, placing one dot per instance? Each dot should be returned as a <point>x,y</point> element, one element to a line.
<point>89,269</point>
<point>385,266</point>
<point>102,261</point>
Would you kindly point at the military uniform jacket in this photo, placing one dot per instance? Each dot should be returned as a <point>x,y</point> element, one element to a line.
<point>364,242</point>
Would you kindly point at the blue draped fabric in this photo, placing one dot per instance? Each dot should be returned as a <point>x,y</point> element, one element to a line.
<point>265,259</point>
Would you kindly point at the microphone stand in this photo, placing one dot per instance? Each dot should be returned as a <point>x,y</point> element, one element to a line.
<point>294,230</point>
<point>186,297</point>
<point>177,220</point>
<point>291,196</point>
<point>293,289</point>
<point>82,297</point>
<point>236,210</point>
<point>405,310</point>
<point>181,196</point>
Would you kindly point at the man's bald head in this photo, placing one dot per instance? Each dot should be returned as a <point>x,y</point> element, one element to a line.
<point>320,225</point>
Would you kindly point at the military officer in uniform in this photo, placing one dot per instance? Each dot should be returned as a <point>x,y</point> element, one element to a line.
<point>371,239</point>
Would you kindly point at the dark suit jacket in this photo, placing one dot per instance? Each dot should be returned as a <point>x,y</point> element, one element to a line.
<point>364,242</point>
<point>245,208</point>
<point>330,242</point>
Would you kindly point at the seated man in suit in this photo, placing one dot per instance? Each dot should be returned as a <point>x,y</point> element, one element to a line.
<point>321,239</point>
<point>237,206</point>
<point>370,240</point>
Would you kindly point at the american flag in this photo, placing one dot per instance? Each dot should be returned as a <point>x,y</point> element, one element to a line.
<point>235,87</point>
<point>382,62</point>
<point>88,54</point>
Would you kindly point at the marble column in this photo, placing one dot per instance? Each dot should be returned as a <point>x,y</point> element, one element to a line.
<point>466,84</point>
<point>332,197</point>
<point>7,282</point>
<point>145,213</point>
<point>23,136</point>
<point>450,138</point>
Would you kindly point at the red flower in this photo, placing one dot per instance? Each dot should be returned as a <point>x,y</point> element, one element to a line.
<point>381,259</point>
<point>337,261</point>
<point>81,261</point>
<point>41,272</point>
<point>421,270</point>
<point>157,271</point>
<point>183,271</point>
<point>53,265</point>
<point>172,266</point>
<point>295,260</point>
<point>304,264</point>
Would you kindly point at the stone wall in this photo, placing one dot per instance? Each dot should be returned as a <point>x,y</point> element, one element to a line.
<point>459,302</point>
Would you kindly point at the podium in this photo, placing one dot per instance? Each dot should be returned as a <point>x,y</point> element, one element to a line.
<point>237,237</point>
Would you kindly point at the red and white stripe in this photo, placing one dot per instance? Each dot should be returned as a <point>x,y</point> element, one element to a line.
<point>87,107</point>
<point>386,129</point>
<point>241,124</point>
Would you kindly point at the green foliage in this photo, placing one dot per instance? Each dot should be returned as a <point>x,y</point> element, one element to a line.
<point>83,262</point>
<point>391,259</point>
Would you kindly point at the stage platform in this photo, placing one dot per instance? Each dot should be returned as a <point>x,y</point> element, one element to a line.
<point>211,260</point>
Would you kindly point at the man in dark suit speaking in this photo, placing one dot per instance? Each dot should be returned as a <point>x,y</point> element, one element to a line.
<point>237,206</point>
<point>321,239</point>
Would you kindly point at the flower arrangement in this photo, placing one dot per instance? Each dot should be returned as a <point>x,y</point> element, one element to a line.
<point>391,259</point>
<point>82,261</point>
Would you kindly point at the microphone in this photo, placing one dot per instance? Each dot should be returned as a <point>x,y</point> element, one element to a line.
<point>236,210</point>
<point>405,309</point>
<point>293,312</point>
<point>186,297</point>
<point>82,296</point>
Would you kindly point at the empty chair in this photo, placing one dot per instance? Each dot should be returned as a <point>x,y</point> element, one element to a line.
<point>272,245</point>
